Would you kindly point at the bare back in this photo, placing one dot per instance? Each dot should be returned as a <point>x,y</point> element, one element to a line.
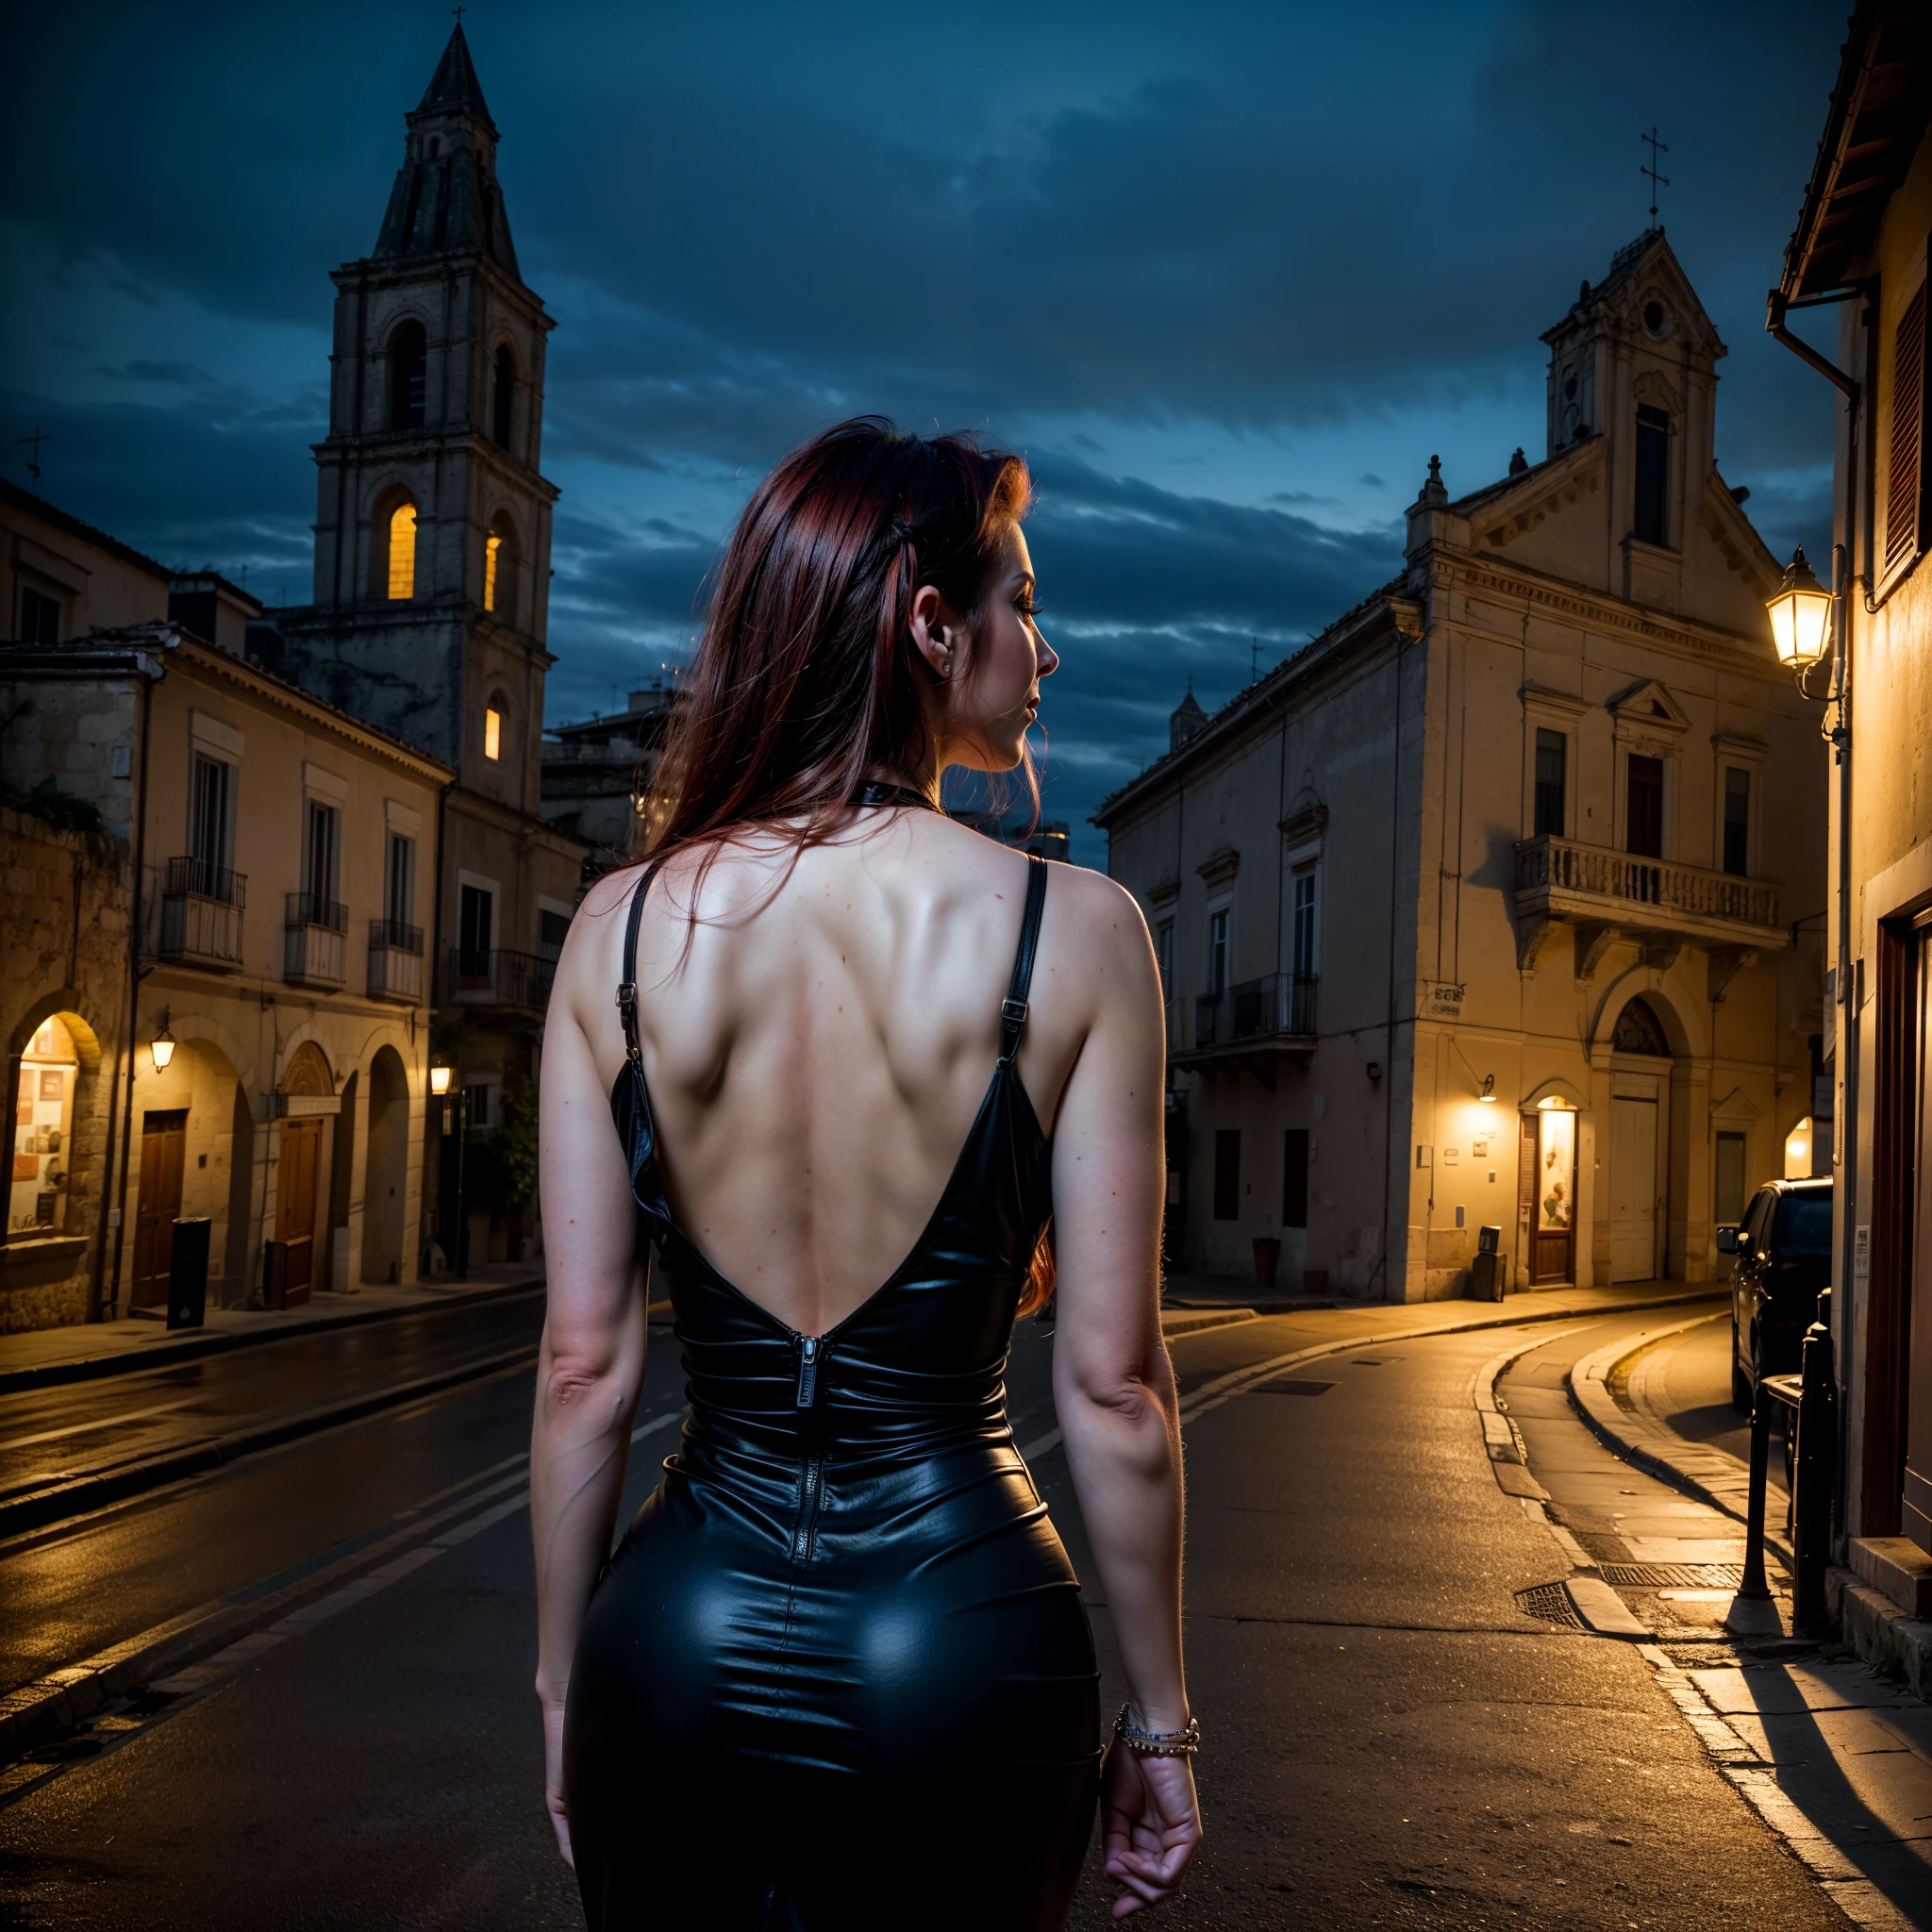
<point>818,1046</point>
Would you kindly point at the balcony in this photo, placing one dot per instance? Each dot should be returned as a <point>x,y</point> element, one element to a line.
<point>395,962</point>
<point>517,982</point>
<point>1248,1026</point>
<point>1608,896</point>
<point>201,914</point>
<point>315,942</point>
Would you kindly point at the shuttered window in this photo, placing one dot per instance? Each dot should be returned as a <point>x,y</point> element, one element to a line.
<point>1902,477</point>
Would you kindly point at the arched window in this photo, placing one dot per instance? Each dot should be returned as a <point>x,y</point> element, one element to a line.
<point>401,574</point>
<point>502,397</point>
<point>500,568</point>
<point>1640,1030</point>
<point>408,376</point>
<point>492,725</point>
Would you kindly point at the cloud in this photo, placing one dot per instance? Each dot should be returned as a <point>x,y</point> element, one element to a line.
<point>1216,302</point>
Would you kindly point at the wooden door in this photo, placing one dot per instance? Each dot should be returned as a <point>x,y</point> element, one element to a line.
<point>163,1146</point>
<point>1915,1421</point>
<point>1633,1189</point>
<point>295,1193</point>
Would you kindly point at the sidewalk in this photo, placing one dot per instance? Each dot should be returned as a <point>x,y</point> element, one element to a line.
<point>1614,1392</point>
<point>40,1358</point>
<point>1833,1752</point>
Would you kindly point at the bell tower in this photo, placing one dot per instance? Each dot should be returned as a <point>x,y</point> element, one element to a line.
<point>432,546</point>
<point>1634,363</point>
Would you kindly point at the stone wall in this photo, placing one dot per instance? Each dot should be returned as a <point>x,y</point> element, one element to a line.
<point>64,953</point>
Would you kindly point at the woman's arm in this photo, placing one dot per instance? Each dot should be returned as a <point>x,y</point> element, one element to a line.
<point>592,1365</point>
<point>1113,1385</point>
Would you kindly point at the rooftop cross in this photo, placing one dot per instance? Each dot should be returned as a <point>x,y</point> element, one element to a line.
<point>33,462</point>
<point>1656,181</point>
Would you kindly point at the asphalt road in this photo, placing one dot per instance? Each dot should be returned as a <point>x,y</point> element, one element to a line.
<point>1390,1740</point>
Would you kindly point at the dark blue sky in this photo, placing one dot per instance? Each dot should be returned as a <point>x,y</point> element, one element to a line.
<point>1228,274</point>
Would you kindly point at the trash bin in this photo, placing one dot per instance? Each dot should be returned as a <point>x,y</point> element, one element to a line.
<point>1489,1276</point>
<point>275,1274</point>
<point>188,1274</point>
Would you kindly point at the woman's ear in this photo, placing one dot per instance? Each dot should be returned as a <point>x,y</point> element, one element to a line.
<point>937,633</point>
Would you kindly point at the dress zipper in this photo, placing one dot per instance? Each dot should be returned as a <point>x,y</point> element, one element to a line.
<point>809,1474</point>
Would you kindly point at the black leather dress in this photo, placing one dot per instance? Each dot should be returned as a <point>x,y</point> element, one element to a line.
<point>837,1675</point>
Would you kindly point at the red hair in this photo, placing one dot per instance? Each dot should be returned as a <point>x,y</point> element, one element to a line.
<point>807,677</point>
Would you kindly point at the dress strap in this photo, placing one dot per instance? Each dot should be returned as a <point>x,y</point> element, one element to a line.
<point>1013,1008</point>
<point>627,989</point>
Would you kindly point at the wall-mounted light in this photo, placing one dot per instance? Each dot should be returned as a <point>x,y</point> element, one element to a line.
<point>163,1045</point>
<point>439,1081</point>
<point>1800,615</point>
<point>1374,1070</point>
<point>1488,1092</point>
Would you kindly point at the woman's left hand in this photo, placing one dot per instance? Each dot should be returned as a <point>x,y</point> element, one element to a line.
<point>1150,1824</point>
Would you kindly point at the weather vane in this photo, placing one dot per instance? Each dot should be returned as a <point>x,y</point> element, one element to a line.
<point>459,11</point>
<point>1656,181</point>
<point>33,462</point>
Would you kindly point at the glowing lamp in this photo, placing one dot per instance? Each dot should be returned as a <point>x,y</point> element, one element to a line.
<point>439,1081</point>
<point>1800,614</point>
<point>1489,1093</point>
<point>163,1045</point>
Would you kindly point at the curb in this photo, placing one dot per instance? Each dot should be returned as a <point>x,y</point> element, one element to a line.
<point>1191,1321</point>
<point>78,1495</point>
<point>90,1367</point>
<point>67,1698</point>
<point>1709,1476</point>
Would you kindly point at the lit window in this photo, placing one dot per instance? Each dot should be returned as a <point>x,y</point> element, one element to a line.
<point>492,733</point>
<point>491,546</point>
<point>402,553</point>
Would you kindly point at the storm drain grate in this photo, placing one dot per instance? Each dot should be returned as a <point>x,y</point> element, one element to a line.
<point>1674,1575</point>
<point>1287,1385</point>
<point>1551,1601</point>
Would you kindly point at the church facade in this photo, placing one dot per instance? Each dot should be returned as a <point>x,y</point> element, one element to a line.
<point>1499,904</point>
<point>430,605</point>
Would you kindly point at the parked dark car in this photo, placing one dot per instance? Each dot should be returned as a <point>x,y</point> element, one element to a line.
<point>1780,1263</point>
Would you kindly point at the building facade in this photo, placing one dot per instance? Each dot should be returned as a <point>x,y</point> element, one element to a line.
<point>1861,247</point>
<point>430,610</point>
<point>67,966</point>
<point>270,1074</point>
<point>1500,903</point>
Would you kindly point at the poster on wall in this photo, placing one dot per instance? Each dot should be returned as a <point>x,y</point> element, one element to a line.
<point>1557,1175</point>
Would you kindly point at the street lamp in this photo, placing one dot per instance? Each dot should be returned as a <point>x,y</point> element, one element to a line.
<point>1800,615</point>
<point>1489,1093</point>
<point>439,1081</point>
<point>163,1045</point>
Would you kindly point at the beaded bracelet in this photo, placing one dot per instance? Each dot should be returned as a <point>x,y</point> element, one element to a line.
<point>1182,1744</point>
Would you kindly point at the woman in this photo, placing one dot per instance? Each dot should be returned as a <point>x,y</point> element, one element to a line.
<point>837,1675</point>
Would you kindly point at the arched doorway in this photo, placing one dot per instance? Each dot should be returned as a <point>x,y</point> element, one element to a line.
<point>60,1113</point>
<point>299,1178</point>
<point>1640,1141</point>
<point>386,1172</point>
<point>188,1150</point>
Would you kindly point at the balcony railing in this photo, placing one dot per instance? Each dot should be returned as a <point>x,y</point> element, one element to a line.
<point>1277,1005</point>
<point>396,961</point>
<point>201,913</point>
<point>499,977</point>
<point>1558,878</point>
<point>314,943</point>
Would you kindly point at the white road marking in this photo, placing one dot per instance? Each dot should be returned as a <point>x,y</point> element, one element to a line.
<point>105,1421</point>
